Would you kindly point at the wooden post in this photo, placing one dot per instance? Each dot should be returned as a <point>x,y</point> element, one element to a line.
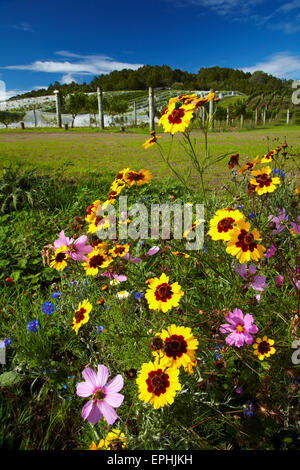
<point>242,121</point>
<point>264,116</point>
<point>211,111</point>
<point>151,109</point>
<point>34,116</point>
<point>58,108</point>
<point>288,116</point>
<point>100,108</point>
<point>227,116</point>
<point>256,116</point>
<point>134,114</point>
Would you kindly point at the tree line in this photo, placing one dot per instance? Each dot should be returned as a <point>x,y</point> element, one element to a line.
<point>219,78</point>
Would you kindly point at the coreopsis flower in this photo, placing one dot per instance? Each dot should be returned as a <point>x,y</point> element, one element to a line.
<point>244,244</point>
<point>177,117</point>
<point>279,222</point>
<point>157,386</point>
<point>91,211</point>
<point>201,101</point>
<point>178,347</point>
<point>263,182</point>
<point>105,396</point>
<point>268,157</point>
<point>81,315</point>
<point>97,259</point>
<point>297,191</point>
<point>137,177</point>
<point>234,161</point>
<point>115,440</point>
<point>161,295</point>
<point>151,141</point>
<point>119,179</point>
<point>94,224</point>
<point>59,259</point>
<point>179,254</point>
<point>263,348</point>
<point>239,327</point>
<point>223,223</point>
<point>249,165</point>
<point>119,250</point>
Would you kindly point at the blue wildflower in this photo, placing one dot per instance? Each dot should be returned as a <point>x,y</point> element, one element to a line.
<point>7,341</point>
<point>204,249</point>
<point>282,173</point>
<point>56,295</point>
<point>99,329</point>
<point>138,295</point>
<point>249,409</point>
<point>33,326</point>
<point>216,353</point>
<point>48,308</point>
<point>234,173</point>
<point>252,215</point>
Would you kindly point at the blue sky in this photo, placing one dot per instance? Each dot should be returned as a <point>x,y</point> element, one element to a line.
<point>42,41</point>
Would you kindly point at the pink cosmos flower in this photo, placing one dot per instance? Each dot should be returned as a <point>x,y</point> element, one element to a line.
<point>258,283</point>
<point>239,327</point>
<point>130,259</point>
<point>105,397</point>
<point>280,221</point>
<point>278,280</point>
<point>153,251</point>
<point>118,277</point>
<point>296,227</point>
<point>78,248</point>
<point>270,251</point>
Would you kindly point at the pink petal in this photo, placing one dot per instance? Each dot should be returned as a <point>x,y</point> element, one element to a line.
<point>95,414</point>
<point>120,277</point>
<point>248,338</point>
<point>252,269</point>
<point>153,251</point>
<point>84,389</point>
<point>107,274</point>
<point>237,313</point>
<point>102,376</point>
<point>115,385</point>
<point>114,399</point>
<point>90,376</point>
<point>248,320</point>
<point>108,412</point>
<point>87,409</point>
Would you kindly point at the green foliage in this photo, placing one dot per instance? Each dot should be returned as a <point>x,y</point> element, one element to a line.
<point>10,117</point>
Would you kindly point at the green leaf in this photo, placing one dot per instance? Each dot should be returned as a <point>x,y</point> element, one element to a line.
<point>15,275</point>
<point>7,379</point>
<point>22,263</point>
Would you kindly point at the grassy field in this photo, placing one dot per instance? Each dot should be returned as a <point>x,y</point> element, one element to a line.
<point>94,150</point>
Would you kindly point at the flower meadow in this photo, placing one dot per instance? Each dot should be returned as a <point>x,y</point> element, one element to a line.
<point>142,344</point>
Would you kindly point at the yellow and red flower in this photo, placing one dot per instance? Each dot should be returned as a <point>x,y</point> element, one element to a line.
<point>249,165</point>
<point>179,254</point>
<point>263,348</point>
<point>178,347</point>
<point>151,141</point>
<point>97,259</point>
<point>59,259</point>
<point>263,182</point>
<point>162,295</point>
<point>223,223</point>
<point>158,386</point>
<point>81,315</point>
<point>115,440</point>
<point>137,177</point>
<point>119,250</point>
<point>244,244</point>
<point>91,211</point>
<point>177,117</point>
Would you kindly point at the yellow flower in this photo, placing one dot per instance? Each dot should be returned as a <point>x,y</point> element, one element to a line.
<point>263,182</point>
<point>249,165</point>
<point>178,347</point>
<point>137,177</point>
<point>94,223</point>
<point>59,259</point>
<point>162,295</point>
<point>194,225</point>
<point>91,211</point>
<point>119,179</point>
<point>119,250</point>
<point>93,446</point>
<point>97,259</point>
<point>297,191</point>
<point>244,244</point>
<point>156,385</point>
<point>115,440</point>
<point>263,348</point>
<point>81,315</point>
<point>223,222</point>
<point>189,368</point>
<point>179,254</point>
<point>151,141</point>
<point>268,157</point>
<point>177,117</point>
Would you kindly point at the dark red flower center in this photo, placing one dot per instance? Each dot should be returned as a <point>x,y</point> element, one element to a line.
<point>263,180</point>
<point>263,347</point>
<point>60,257</point>
<point>175,346</point>
<point>157,382</point>
<point>79,315</point>
<point>119,250</point>
<point>225,224</point>
<point>96,261</point>
<point>134,176</point>
<point>176,116</point>
<point>163,292</point>
<point>246,241</point>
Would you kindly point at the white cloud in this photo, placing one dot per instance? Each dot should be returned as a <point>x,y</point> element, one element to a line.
<point>23,26</point>
<point>80,65</point>
<point>282,65</point>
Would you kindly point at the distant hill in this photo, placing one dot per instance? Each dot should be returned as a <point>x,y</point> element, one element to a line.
<point>219,78</point>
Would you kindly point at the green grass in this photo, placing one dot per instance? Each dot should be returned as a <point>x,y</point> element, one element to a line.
<point>95,151</point>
